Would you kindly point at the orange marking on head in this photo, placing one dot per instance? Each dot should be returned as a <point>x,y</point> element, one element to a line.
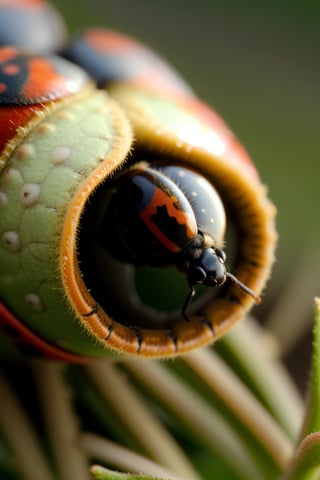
<point>160,199</point>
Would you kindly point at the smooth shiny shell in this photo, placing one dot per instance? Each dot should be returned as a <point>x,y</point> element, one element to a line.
<point>150,216</point>
<point>33,25</point>
<point>204,199</point>
<point>157,210</point>
<point>32,84</point>
<point>27,79</point>
<point>110,56</point>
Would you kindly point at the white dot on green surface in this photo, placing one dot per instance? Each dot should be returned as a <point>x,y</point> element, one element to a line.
<point>65,115</point>
<point>25,150</point>
<point>60,155</point>
<point>46,128</point>
<point>29,194</point>
<point>10,176</point>
<point>34,302</point>
<point>11,241</point>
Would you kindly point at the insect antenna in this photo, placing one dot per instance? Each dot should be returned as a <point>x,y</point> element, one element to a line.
<point>244,287</point>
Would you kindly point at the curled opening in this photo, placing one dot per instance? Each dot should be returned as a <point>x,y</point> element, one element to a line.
<point>141,296</point>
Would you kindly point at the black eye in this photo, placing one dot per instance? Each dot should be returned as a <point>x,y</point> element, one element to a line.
<point>197,275</point>
<point>220,254</point>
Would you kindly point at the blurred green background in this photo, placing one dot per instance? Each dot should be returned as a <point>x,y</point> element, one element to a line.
<point>257,64</point>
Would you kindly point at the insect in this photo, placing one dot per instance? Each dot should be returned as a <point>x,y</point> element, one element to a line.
<point>164,214</point>
<point>69,152</point>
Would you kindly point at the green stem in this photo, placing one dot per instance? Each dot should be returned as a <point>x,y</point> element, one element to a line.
<point>109,452</point>
<point>241,402</point>
<point>207,425</point>
<point>312,417</point>
<point>62,425</point>
<point>306,462</point>
<point>248,351</point>
<point>290,317</point>
<point>19,434</point>
<point>137,417</point>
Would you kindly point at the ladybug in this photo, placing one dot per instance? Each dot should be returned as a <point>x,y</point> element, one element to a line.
<point>163,214</point>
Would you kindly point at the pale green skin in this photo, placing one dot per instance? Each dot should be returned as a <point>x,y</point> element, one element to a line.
<point>51,163</point>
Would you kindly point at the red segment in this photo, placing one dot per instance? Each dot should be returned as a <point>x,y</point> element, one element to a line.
<point>25,337</point>
<point>13,117</point>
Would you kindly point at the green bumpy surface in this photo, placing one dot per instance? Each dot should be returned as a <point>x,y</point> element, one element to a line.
<point>36,186</point>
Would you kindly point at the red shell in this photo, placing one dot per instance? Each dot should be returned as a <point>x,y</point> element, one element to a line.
<point>27,79</point>
<point>30,82</point>
<point>29,341</point>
